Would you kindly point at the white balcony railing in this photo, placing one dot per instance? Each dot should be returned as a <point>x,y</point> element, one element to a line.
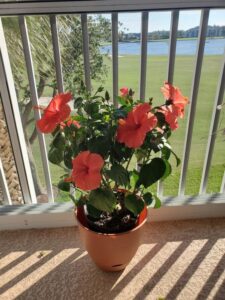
<point>173,205</point>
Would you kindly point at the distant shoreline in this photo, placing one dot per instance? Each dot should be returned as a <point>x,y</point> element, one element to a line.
<point>162,40</point>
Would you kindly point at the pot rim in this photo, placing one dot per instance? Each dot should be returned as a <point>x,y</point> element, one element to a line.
<point>145,211</point>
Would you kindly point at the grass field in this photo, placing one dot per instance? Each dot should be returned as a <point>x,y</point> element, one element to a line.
<point>129,69</point>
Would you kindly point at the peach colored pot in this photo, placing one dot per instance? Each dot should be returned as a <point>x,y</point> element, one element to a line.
<point>111,252</point>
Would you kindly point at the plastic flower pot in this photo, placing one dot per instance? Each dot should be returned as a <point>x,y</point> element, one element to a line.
<point>110,252</point>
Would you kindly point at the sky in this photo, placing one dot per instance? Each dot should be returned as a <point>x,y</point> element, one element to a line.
<point>161,20</point>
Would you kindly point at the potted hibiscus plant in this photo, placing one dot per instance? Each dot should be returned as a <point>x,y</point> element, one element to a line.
<point>100,145</point>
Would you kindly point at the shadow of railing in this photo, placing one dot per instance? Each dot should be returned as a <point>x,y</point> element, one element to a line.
<point>74,276</point>
<point>212,280</point>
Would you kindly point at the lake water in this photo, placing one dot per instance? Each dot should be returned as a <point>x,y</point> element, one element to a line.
<point>184,47</point>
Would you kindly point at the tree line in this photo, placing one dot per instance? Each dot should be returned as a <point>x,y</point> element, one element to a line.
<point>212,31</point>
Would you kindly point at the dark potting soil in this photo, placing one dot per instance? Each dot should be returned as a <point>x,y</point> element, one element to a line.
<point>109,223</point>
<point>119,221</point>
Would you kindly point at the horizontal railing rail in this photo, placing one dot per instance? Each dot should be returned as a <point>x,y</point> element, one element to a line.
<point>63,7</point>
<point>62,214</point>
<point>52,9</point>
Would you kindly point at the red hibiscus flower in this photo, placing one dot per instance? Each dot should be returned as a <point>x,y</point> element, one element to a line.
<point>133,129</point>
<point>86,170</point>
<point>69,122</point>
<point>124,91</point>
<point>56,112</point>
<point>170,113</point>
<point>74,122</point>
<point>173,94</point>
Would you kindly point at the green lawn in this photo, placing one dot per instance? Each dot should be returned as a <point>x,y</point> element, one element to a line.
<point>129,69</point>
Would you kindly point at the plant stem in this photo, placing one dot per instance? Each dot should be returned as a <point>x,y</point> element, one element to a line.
<point>147,158</point>
<point>106,183</point>
<point>129,160</point>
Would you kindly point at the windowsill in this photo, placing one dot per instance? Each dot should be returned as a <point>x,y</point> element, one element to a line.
<point>61,214</point>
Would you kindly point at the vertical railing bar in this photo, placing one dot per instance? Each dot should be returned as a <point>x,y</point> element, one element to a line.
<point>12,114</point>
<point>144,49</point>
<point>222,188</point>
<point>173,45</point>
<point>171,63</point>
<point>114,17</point>
<point>85,39</point>
<point>193,98</point>
<point>57,60</point>
<point>34,99</point>
<point>4,186</point>
<point>213,129</point>
<point>56,52</point>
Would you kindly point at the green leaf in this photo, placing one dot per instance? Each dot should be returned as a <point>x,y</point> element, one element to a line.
<point>102,199</point>
<point>119,113</point>
<point>64,186</point>
<point>99,145</point>
<point>75,149</point>
<point>168,170</point>
<point>141,153</point>
<point>59,141</point>
<point>121,100</point>
<point>152,172</point>
<point>119,174</point>
<point>91,108</point>
<point>55,155</point>
<point>161,118</point>
<point>100,89</point>
<point>120,152</point>
<point>68,155</point>
<point>168,132</point>
<point>134,176</point>
<point>93,212</point>
<point>148,198</point>
<point>107,97</point>
<point>134,204</point>
<point>178,161</point>
<point>166,153</point>
<point>98,97</point>
<point>80,118</point>
<point>78,102</point>
<point>131,92</point>
<point>157,202</point>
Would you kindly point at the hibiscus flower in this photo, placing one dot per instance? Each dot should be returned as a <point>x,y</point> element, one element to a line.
<point>170,114</point>
<point>86,170</point>
<point>124,91</point>
<point>133,129</point>
<point>73,122</point>
<point>56,112</point>
<point>173,94</point>
<point>69,122</point>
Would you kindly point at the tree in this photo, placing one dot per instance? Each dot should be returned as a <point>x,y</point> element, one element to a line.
<point>70,35</point>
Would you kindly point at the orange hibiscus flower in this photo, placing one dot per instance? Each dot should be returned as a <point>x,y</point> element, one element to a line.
<point>69,122</point>
<point>170,114</point>
<point>173,94</point>
<point>133,129</point>
<point>57,111</point>
<point>124,91</point>
<point>86,170</point>
<point>73,122</point>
